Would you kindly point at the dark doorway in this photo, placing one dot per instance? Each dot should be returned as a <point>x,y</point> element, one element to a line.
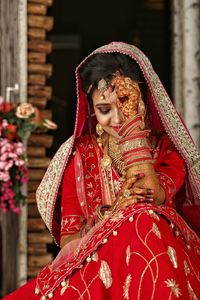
<point>82,26</point>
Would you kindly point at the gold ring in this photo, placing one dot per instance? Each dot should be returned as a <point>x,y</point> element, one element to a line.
<point>126,193</point>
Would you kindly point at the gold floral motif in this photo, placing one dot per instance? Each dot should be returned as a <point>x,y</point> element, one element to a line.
<point>128,254</point>
<point>46,191</point>
<point>105,274</point>
<point>172,256</point>
<point>156,230</point>
<point>46,286</point>
<point>191,292</point>
<point>117,186</point>
<point>64,287</point>
<point>126,287</point>
<point>117,216</point>
<point>186,268</point>
<point>153,214</point>
<point>95,256</point>
<point>171,283</point>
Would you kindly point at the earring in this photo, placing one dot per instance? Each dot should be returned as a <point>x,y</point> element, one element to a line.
<point>99,131</point>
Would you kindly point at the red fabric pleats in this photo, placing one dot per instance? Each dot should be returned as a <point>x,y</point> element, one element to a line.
<point>145,258</point>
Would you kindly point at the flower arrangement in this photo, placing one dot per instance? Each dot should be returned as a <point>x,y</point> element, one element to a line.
<point>17,122</point>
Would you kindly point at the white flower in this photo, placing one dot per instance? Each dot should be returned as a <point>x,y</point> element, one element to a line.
<point>24,110</point>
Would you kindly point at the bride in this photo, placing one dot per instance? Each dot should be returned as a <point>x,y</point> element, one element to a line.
<point>114,193</point>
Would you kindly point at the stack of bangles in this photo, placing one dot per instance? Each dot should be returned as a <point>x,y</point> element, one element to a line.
<point>134,144</point>
<point>135,149</point>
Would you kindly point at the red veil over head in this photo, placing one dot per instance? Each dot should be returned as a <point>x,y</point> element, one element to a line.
<point>164,118</point>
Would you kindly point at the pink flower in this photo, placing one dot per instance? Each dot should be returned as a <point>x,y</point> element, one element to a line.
<point>24,110</point>
<point>4,176</point>
<point>4,123</point>
<point>19,162</point>
<point>12,155</point>
<point>19,148</point>
<point>6,165</point>
<point>2,165</point>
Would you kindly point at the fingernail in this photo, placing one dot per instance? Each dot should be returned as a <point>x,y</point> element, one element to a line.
<point>140,175</point>
<point>150,191</point>
<point>150,199</point>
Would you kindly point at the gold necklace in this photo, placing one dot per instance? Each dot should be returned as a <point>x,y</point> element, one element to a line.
<point>106,161</point>
<point>115,155</point>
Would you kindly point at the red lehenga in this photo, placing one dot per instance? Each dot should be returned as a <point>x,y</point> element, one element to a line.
<point>142,252</point>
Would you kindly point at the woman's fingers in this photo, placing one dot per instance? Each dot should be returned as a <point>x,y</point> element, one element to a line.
<point>125,202</point>
<point>141,191</point>
<point>129,182</point>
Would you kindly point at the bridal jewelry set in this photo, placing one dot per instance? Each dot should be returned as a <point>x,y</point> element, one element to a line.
<point>131,154</point>
<point>112,153</point>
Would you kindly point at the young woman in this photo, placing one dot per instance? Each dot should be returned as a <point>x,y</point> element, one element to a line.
<point>110,194</point>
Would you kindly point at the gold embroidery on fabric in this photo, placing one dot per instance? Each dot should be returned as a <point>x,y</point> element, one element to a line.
<point>186,268</point>
<point>191,292</point>
<point>117,186</point>
<point>105,274</point>
<point>64,287</point>
<point>128,254</point>
<point>156,230</point>
<point>171,283</point>
<point>87,286</point>
<point>95,256</point>
<point>153,214</point>
<point>46,286</point>
<point>117,216</point>
<point>47,189</point>
<point>127,286</point>
<point>172,255</point>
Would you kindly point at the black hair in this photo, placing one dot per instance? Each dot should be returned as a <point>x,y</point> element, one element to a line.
<point>105,65</point>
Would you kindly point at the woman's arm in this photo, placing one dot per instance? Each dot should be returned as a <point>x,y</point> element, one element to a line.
<point>165,178</point>
<point>170,169</point>
<point>68,238</point>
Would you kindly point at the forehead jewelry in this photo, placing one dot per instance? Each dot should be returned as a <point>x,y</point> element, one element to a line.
<point>102,86</point>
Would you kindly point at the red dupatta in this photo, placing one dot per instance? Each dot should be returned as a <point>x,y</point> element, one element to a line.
<point>164,118</point>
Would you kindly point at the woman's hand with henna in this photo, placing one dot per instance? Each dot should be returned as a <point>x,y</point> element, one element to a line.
<point>151,182</point>
<point>130,194</point>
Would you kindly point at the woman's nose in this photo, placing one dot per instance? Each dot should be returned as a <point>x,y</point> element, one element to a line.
<point>118,116</point>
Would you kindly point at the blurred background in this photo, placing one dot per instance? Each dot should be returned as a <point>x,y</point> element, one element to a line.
<point>79,28</point>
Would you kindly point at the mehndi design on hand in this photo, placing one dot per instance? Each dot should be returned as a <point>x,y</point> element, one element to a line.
<point>129,95</point>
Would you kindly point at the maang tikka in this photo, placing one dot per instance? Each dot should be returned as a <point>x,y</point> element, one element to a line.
<point>99,131</point>
<point>102,87</point>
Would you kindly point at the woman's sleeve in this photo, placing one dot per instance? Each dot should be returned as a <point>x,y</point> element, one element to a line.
<point>72,215</point>
<point>170,168</point>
